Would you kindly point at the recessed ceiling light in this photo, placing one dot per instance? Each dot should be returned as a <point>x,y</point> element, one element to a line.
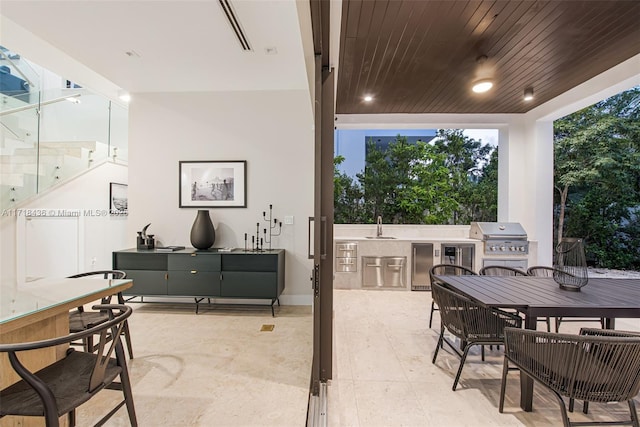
<point>482,86</point>
<point>368,98</point>
<point>528,94</point>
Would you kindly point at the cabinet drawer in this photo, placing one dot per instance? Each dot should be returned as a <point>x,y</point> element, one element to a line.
<point>249,262</point>
<point>138,261</point>
<point>147,282</point>
<point>198,283</point>
<point>236,284</point>
<point>194,261</point>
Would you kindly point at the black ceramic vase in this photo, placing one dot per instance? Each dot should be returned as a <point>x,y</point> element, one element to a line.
<point>203,235</point>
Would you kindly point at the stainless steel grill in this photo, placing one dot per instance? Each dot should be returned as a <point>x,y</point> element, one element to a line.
<point>505,243</point>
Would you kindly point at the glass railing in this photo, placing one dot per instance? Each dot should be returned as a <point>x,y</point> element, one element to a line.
<point>49,136</point>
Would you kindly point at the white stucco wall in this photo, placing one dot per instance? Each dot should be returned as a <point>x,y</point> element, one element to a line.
<point>271,130</point>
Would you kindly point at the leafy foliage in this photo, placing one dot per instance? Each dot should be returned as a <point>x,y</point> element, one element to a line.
<point>452,181</point>
<point>597,178</point>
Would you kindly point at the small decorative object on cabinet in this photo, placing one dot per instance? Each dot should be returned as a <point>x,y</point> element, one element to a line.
<point>571,268</point>
<point>203,235</point>
<point>144,240</point>
<point>275,228</point>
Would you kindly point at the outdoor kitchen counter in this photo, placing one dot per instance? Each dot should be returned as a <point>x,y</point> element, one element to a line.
<point>397,242</point>
<point>392,238</point>
<point>387,247</point>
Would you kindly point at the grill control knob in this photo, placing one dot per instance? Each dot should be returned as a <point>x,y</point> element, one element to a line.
<point>503,248</point>
<point>512,248</point>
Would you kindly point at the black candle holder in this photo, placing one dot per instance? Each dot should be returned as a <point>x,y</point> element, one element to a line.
<point>258,240</point>
<point>275,227</point>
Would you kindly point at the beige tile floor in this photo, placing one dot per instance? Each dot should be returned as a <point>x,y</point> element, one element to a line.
<point>217,369</point>
<point>383,375</point>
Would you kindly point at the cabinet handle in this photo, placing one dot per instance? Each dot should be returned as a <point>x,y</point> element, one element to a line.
<point>166,276</point>
<point>194,271</point>
<point>194,254</point>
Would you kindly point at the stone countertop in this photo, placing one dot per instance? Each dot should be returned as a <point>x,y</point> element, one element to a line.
<point>407,239</point>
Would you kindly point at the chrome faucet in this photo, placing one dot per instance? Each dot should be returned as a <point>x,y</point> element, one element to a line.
<point>379,227</point>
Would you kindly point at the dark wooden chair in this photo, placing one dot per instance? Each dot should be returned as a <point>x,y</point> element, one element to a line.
<point>472,323</point>
<point>543,271</point>
<point>595,366</point>
<point>445,270</point>
<point>499,270</point>
<point>63,386</point>
<point>79,319</point>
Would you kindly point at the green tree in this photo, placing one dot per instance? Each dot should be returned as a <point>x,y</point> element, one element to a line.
<point>597,178</point>
<point>406,184</point>
<point>348,196</point>
<point>420,183</point>
<point>466,159</point>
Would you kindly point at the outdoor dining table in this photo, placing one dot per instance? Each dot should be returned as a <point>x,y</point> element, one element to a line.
<point>535,297</point>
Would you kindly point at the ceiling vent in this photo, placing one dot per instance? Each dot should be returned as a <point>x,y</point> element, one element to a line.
<point>235,24</point>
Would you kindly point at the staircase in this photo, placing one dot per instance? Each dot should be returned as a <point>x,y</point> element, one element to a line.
<point>51,134</point>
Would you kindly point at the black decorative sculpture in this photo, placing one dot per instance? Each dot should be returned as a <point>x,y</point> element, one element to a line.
<point>257,242</point>
<point>570,270</point>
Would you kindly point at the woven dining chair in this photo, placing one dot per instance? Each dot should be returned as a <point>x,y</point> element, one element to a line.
<point>80,320</point>
<point>500,270</point>
<point>445,270</point>
<point>472,323</point>
<point>595,366</point>
<point>543,271</point>
<point>60,388</point>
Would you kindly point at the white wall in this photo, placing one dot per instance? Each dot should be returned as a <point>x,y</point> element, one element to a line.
<point>271,130</point>
<point>101,233</point>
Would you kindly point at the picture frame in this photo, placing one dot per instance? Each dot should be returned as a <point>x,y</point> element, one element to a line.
<point>212,184</point>
<point>118,199</point>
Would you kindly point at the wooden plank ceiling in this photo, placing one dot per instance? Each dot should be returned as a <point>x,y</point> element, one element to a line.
<point>420,56</point>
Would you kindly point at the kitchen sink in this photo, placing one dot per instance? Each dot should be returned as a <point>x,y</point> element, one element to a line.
<point>380,237</point>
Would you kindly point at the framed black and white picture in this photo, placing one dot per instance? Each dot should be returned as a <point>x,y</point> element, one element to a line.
<point>213,184</point>
<point>118,199</point>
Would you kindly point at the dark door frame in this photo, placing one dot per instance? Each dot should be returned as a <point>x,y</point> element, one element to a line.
<point>322,274</point>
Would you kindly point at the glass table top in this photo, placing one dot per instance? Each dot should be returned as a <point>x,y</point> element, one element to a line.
<point>24,299</point>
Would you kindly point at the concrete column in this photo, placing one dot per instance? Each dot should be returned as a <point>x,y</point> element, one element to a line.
<point>525,181</point>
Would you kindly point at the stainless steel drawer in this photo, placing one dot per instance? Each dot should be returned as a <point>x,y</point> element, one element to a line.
<point>346,265</point>
<point>383,272</point>
<point>346,256</point>
<point>346,249</point>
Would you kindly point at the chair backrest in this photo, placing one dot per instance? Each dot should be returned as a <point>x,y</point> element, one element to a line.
<point>540,271</point>
<point>593,366</point>
<point>448,270</point>
<point>500,270</point>
<point>451,305</point>
<point>106,274</point>
<point>118,313</point>
<point>469,320</point>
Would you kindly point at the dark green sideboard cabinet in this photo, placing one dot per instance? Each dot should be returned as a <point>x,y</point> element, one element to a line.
<point>193,274</point>
<point>203,274</point>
